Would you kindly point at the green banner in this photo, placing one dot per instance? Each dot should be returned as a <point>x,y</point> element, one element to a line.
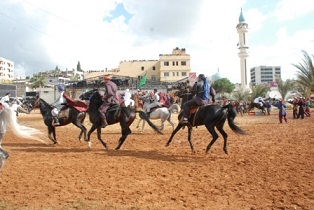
<point>142,81</point>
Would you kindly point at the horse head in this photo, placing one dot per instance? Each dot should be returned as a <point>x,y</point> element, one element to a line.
<point>95,100</point>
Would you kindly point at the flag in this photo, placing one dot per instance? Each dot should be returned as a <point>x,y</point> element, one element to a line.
<point>142,81</point>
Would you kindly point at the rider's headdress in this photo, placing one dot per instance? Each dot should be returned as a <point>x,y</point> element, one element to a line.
<point>60,87</point>
<point>107,77</point>
<point>201,76</point>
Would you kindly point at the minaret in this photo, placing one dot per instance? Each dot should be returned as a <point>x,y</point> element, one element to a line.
<point>242,28</point>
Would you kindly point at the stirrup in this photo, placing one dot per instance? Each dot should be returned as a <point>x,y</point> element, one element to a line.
<point>184,122</point>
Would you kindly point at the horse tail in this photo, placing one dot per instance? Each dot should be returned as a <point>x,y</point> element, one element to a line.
<point>144,117</point>
<point>173,107</point>
<point>231,114</point>
<point>10,121</point>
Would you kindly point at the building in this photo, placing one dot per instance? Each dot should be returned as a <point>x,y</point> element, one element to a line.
<point>169,68</point>
<point>242,29</point>
<point>175,66</point>
<point>6,71</point>
<point>264,74</point>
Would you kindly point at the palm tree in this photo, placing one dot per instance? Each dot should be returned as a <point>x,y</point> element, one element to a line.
<point>259,90</point>
<point>37,81</point>
<point>305,75</point>
<point>284,87</point>
<point>241,94</point>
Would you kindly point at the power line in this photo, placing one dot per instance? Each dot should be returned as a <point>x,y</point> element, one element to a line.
<point>16,20</point>
<point>50,13</point>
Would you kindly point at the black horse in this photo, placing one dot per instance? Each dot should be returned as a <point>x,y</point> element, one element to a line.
<point>115,114</point>
<point>66,115</point>
<point>211,116</point>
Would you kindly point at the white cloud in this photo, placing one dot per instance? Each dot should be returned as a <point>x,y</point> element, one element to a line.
<point>42,34</point>
<point>290,9</point>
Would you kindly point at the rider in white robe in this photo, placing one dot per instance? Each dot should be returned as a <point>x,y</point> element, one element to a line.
<point>127,98</point>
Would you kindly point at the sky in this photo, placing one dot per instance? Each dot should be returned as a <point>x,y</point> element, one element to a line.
<point>38,35</point>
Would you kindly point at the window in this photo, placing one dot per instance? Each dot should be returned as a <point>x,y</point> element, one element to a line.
<point>166,63</point>
<point>154,67</point>
<point>183,74</point>
<point>173,63</point>
<point>142,68</point>
<point>183,63</point>
<point>173,74</point>
<point>166,74</point>
<point>177,63</point>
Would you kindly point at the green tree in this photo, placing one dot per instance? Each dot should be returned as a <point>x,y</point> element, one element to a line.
<point>37,81</point>
<point>284,87</point>
<point>78,67</point>
<point>241,94</point>
<point>223,85</point>
<point>305,74</point>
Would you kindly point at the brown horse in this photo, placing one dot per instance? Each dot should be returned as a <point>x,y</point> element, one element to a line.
<point>138,103</point>
<point>66,115</point>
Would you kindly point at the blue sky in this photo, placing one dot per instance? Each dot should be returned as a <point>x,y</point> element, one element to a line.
<point>39,35</point>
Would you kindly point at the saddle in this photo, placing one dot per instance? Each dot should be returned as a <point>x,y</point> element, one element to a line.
<point>64,112</point>
<point>113,107</point>
<point>194,110</point>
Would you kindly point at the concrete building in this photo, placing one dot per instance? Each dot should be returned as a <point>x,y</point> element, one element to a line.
<point>169,68</point>
<point>6,71</point>
<point>264,74</point>
<point>242,29</point>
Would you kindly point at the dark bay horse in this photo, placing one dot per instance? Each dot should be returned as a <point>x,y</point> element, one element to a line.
<point>66,115</point>
<point>115,114</point>
<point>211,116</point>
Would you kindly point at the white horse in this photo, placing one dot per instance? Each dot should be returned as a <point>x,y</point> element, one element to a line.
<point>8,120</point>
<point>162,113</point>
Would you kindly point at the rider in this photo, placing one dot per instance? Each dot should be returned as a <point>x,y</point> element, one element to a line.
<point>187,89</point>
<point>17,105</point>
<point>154,102</point>
<point>58,104</point>
<point>110,97</point>
<point>127,98</point>
<point>259,101</point>
<point>5,100</point>
<point>201,89</point>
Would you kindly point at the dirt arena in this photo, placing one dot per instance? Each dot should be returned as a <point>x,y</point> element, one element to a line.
<point>271,168</point>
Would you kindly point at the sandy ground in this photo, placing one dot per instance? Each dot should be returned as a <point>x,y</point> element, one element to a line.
<point>271,168</point>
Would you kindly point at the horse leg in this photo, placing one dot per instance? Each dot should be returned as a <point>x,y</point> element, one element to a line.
<point>92,129</point>
<point>219,127</point>
<point>138,124</point>
<point>171,123</point>
<point>210,127</point>
<point>143,125</point>
<point>100,139</point>
<point>125,132</point>
<point>189,139</point>
<point>3,154</point>
<point>173,133</point>
<point>83,129</point>
<point>52,134</point>
<point>162,124</point>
